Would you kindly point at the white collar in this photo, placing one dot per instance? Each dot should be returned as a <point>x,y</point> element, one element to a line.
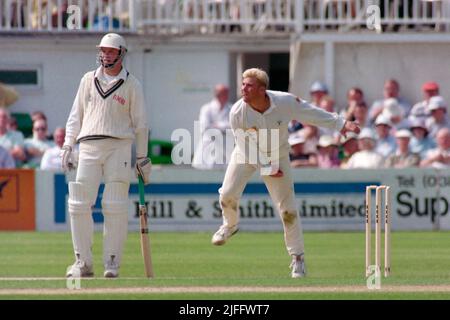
<point>99,74</point>
<point>272,106</point>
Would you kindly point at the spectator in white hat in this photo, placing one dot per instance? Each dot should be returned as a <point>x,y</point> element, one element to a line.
<point>394,112</point>
<point>420,142</point>
<point>439,157</point>
<point>391,89</point>
<point>367,157</point>
<point>386,144</point>
<point>327,153</point>
<point>349,146</point>
<point>403,157</point>
<point>317,91</point>
<point>297,155</point>
<point>438,118</point>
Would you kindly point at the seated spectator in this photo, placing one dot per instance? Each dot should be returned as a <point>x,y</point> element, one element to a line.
<point>294,125</point>
<point>403,157</point>
<point>60,12</point>
<point>104,17</point>
<point>391,89</point>
<point>44,13</point>
<point>6,160</point>
<point>439,157</point>
<point>12,124</point>
<point>420,109</point>
<point>327,153</point>
<point>327,103</point>
<point>312,135</point>
<point>317,91</point>
<point>38,144</point>
<point>386,144</point>
<point>393,112</point>
<point>420,142</point>
<point>51,160</point>
<point>298,157</point>
<point>360,114</point>
<point>355,96</point>
<point>38,115</point>
<point>367,157</point>
<point>12,141</point>
<point>438,119</point>
<point>214,123</point>
<point>349,146</point>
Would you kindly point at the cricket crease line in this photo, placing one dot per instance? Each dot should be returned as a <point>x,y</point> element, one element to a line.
<point>226,289</point>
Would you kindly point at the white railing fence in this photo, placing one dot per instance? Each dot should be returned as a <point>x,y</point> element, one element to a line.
<point>66,15</point>
<point>219,16</point>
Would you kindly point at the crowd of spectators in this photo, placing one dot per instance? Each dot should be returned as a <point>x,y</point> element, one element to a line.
<point>40,150</point>
<point>394,133</point>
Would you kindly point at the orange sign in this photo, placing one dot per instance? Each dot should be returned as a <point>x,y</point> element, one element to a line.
<point>17,200</point>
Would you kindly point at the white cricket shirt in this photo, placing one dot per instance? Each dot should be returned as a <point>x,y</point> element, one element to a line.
<point>106,109</point>
<point>284,107</point>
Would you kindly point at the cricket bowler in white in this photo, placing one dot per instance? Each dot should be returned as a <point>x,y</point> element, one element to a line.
<point>107,115</point>
<point>260,109</point>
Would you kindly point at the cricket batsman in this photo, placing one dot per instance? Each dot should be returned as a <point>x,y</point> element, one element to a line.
<point>108,113</point>
<point>271,111</point>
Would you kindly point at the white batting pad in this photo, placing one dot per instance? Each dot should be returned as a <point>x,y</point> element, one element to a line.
<point>115,212</point>
<point>81,199</point>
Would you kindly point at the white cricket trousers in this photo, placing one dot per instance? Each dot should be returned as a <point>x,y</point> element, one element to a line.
<point>281,191</point>
<point>110,159</point>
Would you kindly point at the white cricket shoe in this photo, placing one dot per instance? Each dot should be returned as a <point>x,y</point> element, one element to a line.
<point>298,266</point>
<point>79,270</point>
<point>111,269</point>
<point>221,236</point>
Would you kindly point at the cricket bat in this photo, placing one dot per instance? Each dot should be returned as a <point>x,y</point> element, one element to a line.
<point>145,242</point>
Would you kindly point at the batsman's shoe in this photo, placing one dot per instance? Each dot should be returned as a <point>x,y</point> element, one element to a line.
<point>80,270</point>
<point>221,236</point>
<point>111,269</point>
<point>298,266</point>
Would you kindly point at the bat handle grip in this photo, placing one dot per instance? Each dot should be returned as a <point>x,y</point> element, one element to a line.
<point>141,191</point>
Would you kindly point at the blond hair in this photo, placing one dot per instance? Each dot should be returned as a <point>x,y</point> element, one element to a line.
<point>260,75</point>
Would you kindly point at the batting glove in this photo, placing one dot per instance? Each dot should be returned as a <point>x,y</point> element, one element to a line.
<point>144,168</point>
<point>67,162</point>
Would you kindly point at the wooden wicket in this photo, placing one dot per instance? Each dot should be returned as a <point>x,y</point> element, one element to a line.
<point>378,221</point>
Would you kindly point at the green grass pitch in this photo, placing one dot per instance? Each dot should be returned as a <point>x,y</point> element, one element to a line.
<point>250,266</point>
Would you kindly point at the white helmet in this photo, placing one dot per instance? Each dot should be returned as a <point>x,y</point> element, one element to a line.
<point>112,40</point>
